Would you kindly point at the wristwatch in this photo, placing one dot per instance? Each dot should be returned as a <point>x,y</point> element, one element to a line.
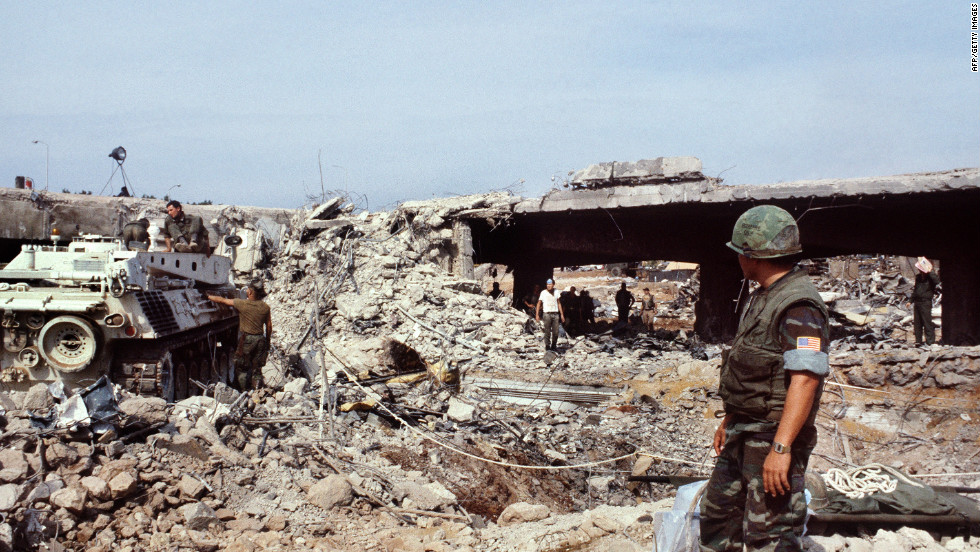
<point>779,448</point>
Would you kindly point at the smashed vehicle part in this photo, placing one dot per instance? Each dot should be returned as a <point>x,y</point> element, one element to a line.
<point>75,312</point>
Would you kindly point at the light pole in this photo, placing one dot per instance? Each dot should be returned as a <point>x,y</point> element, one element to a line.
<point>171,188</point>
<point>47,157</point>
<point>345,177</point>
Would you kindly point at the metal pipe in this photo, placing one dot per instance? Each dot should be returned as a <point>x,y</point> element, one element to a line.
<point>904,519</point>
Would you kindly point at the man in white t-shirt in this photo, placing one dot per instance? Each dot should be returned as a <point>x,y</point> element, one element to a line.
<point>550,308</point>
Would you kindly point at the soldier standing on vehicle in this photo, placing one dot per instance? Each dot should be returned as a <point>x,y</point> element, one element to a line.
<point>135,236</point>
<point>254,316</point>
<point>771,381</point>
<point>184,233</point>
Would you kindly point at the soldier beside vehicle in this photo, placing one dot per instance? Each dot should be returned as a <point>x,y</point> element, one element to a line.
<point>255,334</point>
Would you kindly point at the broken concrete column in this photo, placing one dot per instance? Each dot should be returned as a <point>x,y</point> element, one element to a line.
<point>463,240</point>
<point>715,317</point>
<point>960,276</point>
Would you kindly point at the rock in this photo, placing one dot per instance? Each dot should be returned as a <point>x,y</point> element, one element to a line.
<point>38,398</point>
<point>9,495</point>
<point>225,394</point>
<point>198,516</point>
<point>116,467</point>
<point>606,524</point>
<point>180,444</point>
<point>96,487</point>
<point>330,492</point>
<point>405,543</point>
<point>122,485</point>
<point>920,540</point>
<point>114,449</point>
<point>356,307</point>
<point>246,524</point>
<point>13,465</point>
<point>592,530</point>
<point>642,464</point>
<point>958,544</point>
<point>892,542</point>
<point>275,523</point>
<point>70,498</point>
<point>431,496</point>
<point>522,512</point>
<point>831,543</point>
<point>460,411</point>
<point>296,387</point>
<point>6,537</point>
<point>59,454</point>
<point>191,487</point>
<point>43,490</point>
<point>601,482</point>
<point>147,410</point>
<point>698,370</point>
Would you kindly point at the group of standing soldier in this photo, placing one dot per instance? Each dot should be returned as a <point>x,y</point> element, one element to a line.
<point>185,233</point>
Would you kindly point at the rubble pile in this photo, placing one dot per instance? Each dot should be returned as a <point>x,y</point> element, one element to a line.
<point>406,410</point>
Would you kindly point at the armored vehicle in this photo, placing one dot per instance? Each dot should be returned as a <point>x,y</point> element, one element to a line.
<point>75,312</point>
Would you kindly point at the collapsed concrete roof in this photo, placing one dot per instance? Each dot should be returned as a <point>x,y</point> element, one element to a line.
<point>708,191</point>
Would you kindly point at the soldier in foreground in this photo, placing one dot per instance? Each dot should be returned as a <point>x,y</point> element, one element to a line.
<point>771,381</point>
<point>254,316</point>
<point>184,233</point>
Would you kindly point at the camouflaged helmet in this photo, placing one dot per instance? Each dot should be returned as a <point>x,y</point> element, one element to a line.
<point>766,232</point>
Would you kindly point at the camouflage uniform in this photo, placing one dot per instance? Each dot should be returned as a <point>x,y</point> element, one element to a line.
<point>783,329</point>
<point>253,347</point>
<point>188,234</point>
<point>736,511</point>
<point>250,357</point>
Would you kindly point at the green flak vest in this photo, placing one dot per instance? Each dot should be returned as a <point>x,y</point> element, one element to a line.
<point>753,382</point>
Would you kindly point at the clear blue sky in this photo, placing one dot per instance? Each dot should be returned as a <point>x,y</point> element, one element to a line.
<point>410,100</point>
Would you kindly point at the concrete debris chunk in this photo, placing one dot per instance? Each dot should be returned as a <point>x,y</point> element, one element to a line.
<point>296,387</point>
<point>9,495</point>
<point>460,411</point>
<point>428,496</point>
<point>198,516</point>
<point>330,492</point>
<point>70,498</point>
<point>38,398</point>
<point>13,465</point>
<point>522,512</point>
<point>191,487</point>
<point>326,210</point>
<point>123,485</point>
<point>180,444</point>
<point>146,410</point>
<point>96,487</point>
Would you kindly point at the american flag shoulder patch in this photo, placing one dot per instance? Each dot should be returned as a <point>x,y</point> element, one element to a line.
<point>811,343</point>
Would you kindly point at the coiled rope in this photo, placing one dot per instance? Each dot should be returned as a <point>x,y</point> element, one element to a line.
<point>866,480</point>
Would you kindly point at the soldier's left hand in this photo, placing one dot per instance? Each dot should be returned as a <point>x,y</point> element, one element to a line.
<point>775,473</point>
